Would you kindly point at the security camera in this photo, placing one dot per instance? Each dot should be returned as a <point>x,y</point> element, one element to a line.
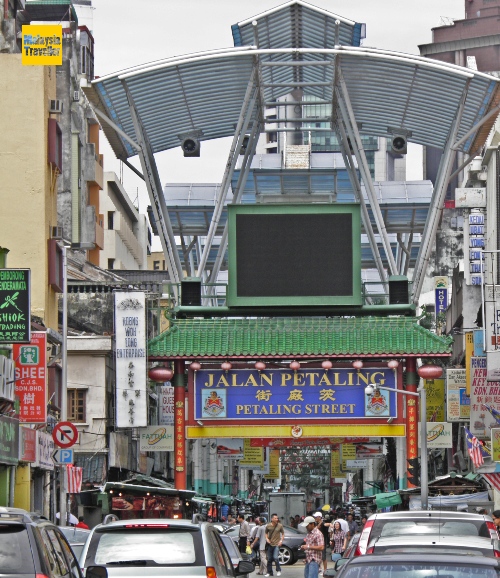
<point>199,422</point>
<point>190,147</point>
<point>399,144</point>
<point>369,389</point>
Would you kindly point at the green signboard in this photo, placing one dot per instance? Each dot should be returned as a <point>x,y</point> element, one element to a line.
<point>15,320</point>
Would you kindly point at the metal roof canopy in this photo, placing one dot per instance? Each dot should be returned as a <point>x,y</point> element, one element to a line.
<point>221,93</point>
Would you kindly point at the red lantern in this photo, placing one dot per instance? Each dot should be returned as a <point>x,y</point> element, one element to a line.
<point>327,364</point>
<point>295,365</point>
<point>358,364</point>
<point>393,364</point>
<point>160,374</point>
<point>260,365</point>
<point>195,366</point>
<point>430,371</point>
<point>226,366</point>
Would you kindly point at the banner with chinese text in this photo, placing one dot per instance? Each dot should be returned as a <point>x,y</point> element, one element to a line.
<point>31,378</point>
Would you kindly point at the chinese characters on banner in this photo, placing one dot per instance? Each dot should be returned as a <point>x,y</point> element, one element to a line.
<point>31,378</point>
<point>179,436</point>
<point>411,435</point>
<point>130,327</point>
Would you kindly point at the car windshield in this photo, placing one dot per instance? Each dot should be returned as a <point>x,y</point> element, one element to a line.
<point>15,551</point>
<point>388,528</point>
<point>75,534</point>
<point>404,570</point>
<point>165,548</point>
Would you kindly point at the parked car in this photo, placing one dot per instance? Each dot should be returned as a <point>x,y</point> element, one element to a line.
<point>348,554</point>
<point>418,523</point>
<point>290,549</point>
<point>420,566</point>
<point>432,544</point>
<point>76,538</point>
<point>232,549</point>
<point>32,547</point>
<point>154,547</point>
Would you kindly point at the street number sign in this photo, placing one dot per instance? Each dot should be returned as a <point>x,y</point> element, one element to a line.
<point>65,434</point>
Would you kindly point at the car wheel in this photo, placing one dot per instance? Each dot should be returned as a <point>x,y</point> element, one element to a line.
<point>286,556</point>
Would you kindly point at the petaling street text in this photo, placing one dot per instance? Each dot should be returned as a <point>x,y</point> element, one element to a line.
<point>296,409</point>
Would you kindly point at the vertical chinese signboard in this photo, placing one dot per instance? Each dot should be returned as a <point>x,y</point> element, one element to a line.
<point>435,399</point>
<point>15,308</point>
<point>31,378</point>
<point>130,328</point>
<point>180,441</point>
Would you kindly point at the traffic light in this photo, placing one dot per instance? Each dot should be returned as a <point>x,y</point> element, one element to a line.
<point>413,475</point>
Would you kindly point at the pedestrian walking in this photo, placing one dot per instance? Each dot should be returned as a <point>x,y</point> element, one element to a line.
<point>274,538</point>
<point>353,525</point>
<point>324,527</point>
<point>244,533</point>
<point>81,523</point>
<point>338,541</point>
<point>314,546</point>
<point>260,543</point>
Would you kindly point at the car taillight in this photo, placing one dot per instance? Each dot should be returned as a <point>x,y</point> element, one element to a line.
<point>147,525</point>
<point>493,530</point>
<point>370,550</point>
<point>211,572</point>
<point>497,553</point>
<point>41,576</point>
<point>363,540</point>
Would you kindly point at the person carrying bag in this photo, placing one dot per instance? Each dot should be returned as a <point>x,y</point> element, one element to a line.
<point>338,541</point>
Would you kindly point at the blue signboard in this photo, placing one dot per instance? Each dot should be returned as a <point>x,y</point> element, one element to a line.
<point>247,394</point>
<point>478,343</point>
<point>441,299</point>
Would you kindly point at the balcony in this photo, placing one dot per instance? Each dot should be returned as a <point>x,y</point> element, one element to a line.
<point>92,166</point>
<point>129,239</point>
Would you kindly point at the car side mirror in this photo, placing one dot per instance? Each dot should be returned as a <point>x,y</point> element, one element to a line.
<point>96,572</point>
<point>244,567</point>
<point>340,562</point>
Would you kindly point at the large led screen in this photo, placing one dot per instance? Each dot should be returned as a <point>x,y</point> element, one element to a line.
<point>294,255</point>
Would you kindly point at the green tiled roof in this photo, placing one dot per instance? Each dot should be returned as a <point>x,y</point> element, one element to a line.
<point>298,337</point>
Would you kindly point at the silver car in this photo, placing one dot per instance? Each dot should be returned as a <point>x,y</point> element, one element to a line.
<point>158,547</point>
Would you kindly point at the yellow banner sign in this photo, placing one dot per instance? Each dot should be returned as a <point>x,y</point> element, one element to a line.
<point>274,465</point>
<point>435,399</point>
<point>335,472</point>
<point>348,453</point>
<point>252,457</point>
<point>495,444</point>
<point>42,45</point>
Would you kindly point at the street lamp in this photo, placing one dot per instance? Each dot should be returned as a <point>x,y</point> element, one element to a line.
<point>424,476</point>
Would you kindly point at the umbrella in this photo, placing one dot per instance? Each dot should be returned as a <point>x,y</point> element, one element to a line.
<point>326,508</point>
<point>69,518</point>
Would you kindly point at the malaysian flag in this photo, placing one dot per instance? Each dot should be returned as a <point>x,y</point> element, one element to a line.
<point>494,412</point>
<point>349,490</point>
<point>75,476</point>
<point>387,475</point>
<point>475,448</point>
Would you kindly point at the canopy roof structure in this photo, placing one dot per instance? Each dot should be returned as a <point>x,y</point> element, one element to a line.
<point>296,49</point>
<point>304,338</point>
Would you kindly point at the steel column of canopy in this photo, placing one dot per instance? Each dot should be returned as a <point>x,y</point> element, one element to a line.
<point>237,194</point>
<point>437,201</point>
<point>155,191</point>
<point>246,113</point>
<point>356,185</point>
<point>349,119</point>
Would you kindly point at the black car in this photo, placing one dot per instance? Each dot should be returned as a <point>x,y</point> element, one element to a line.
<point>32,547</point>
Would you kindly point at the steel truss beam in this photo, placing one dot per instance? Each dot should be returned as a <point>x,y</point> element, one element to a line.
<point>247,110</point>
<point>356,185</point>
<point>155,191</point>
<point>437,201</point>
<point>347,115</point>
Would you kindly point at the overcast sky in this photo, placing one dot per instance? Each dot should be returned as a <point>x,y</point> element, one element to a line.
<point>130,32</point>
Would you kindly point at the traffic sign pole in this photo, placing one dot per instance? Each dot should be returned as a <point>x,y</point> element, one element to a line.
<point>64,377</point>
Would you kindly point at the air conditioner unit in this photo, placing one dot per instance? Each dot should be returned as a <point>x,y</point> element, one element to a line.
<point>76,96</point>
<point>56,106</point>
<point>57,233</point>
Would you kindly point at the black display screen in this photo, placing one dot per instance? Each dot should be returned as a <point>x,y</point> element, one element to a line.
<point>290,255</point>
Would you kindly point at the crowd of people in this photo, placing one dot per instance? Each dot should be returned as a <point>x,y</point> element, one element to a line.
<point>330,530</point>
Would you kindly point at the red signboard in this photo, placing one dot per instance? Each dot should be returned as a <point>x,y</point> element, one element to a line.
<point>302,442</point>
<point>31,378</point>
<point>27,444</point>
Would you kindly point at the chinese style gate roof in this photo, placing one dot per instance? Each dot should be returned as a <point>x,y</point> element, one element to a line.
<point>298,338</point>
